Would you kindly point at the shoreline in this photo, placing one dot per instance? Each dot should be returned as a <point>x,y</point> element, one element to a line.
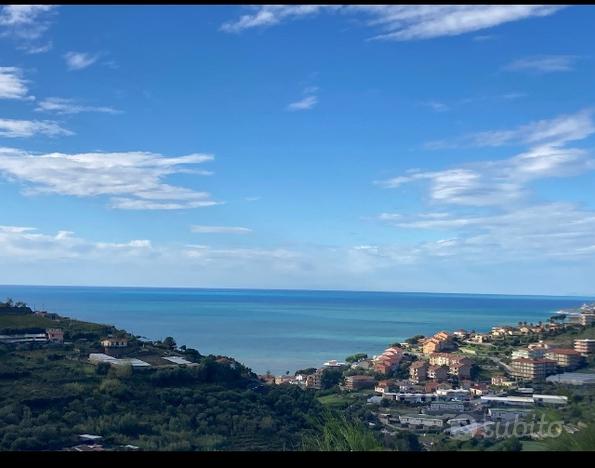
<point>278,364</point>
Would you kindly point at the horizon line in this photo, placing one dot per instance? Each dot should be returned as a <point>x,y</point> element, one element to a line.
<point>582,296</point>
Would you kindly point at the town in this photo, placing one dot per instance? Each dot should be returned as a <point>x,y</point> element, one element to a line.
<point>463,383</point>
<point>445,389</point>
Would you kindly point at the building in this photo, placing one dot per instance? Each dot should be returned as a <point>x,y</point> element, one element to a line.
<point>421,421</point>
<point>461,333</point>
<point>572,378</point>
<point>438,373</point>
<point>432,345</point>
<point>97,358</point>
<point>388,361</point>
<point>532,369</point>
<point>529,353</point>
<point>478,389</point>
<point>459,366</point>
<point>357,382</point>
<point>24,338</point>
<point>587,319</point>
<point>55,335</point>
<point>447,406</point>
<point>384,386</point>
<point>501,381</point>
<point>585,346</point>
<point>565,358</point>
<point>314,380</point>
<point>114,343</point>
<point>333,363</point>
<point>418,371</point>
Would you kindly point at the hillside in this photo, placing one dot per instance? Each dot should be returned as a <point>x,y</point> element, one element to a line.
<point>50,393</point>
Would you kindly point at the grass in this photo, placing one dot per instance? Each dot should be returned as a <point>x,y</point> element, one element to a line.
<point>533,446</point>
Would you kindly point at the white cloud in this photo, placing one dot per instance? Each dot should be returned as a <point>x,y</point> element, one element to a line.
<point>306,103</point>
<point>220,230</point>
<point>27,128</point>
<point>544,63</point>
<point>132,180</point>
<point>436,106</point>
<point>400,22</point>
<point>29,245</point>
<point>12,84</point>
<point>502,181</point>
<point>552,230</point>
<point>27,24</point>
<point>270,15</point>
<point>559,130</point>
<point>79,60</point>
<point>70,106</point>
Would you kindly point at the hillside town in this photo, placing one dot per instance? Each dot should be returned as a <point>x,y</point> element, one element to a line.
<point>464,382</point>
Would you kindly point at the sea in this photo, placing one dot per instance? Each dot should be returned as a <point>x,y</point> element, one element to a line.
<point>286,330</point>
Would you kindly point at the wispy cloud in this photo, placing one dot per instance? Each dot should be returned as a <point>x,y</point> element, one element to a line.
<point>220,229</point>
<point>551,230</point>
<point>399,22</point>
<point>544,64</point>
<point>132,180</point>
<point>79,60</point>
<point>500,182</point>
<point>70,106</point>
<point>306,103</point>
<point>12,84</point>
<point>28,128</point>
<point>27,24</point>
<point>436,106</point>
<point>559,130</point>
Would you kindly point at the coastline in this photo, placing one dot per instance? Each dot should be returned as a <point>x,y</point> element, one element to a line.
<point>277,332</point>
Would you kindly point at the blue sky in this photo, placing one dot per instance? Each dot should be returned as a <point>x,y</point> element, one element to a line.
<point>416,148</point>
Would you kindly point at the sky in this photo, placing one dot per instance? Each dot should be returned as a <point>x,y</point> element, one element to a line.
<point>393,148</point>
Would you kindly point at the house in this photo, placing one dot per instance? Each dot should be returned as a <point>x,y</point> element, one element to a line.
<point>384,386</point>
<point>501,381</point>
<point>567,358</point>
<point>433,386</point>
<point>532,369</point>
<point>283,379</point>
<point>418,371</point>
<point>55,335</point>
<point>432,345</point>
<point>480,338</point>
<point>357,382</point>
<point>114,343</point>
<point>584,346</point>
<point>478,389</point>
<point>438,373</point>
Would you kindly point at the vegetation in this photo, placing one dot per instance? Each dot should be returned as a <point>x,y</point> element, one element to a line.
<point>337,433</point>
<point>50,394</point>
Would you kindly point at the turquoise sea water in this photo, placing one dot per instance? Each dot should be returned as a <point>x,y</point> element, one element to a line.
<point>280,330</point>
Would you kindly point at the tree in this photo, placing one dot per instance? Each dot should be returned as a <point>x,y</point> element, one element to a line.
<point>331,377</point>
<point>414,339</point>
<point>169,342</point>
<point>356,357</point>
